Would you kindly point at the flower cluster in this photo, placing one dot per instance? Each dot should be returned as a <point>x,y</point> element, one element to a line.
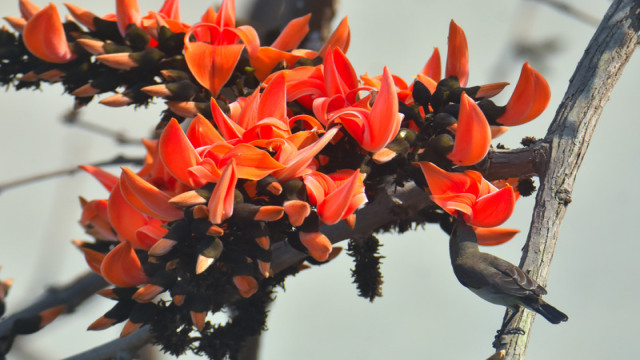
<point>281,141</point>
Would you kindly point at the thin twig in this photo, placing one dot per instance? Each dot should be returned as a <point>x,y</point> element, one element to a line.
<point>72,118</point>
<point>118,160</point>
<point>573,11</point>
<point>568,137</point>
<point>122,348</point>
<point>71,295</point>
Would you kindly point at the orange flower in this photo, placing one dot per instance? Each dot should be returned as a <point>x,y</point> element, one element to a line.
<point>336,196</point>
<point>373,129</point>
<point>45,38</point>
<point>529,99</point>
<point>122,267</point>
<point>482,204</point>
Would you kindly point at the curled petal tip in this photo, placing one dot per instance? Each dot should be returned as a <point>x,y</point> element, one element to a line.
<point>473,134</point>
<point>44,36</point>
<point>529,99</point>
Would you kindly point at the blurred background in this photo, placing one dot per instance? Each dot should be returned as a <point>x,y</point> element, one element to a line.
<point>424,313</point>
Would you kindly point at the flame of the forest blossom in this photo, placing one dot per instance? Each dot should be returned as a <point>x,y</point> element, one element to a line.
<point>337,195</point>
<point>457,54</point>
<point>374,129</point>
<point>44,36</point>
<point>529,99</point>
<point>482,204</point>
<point>121,267</point>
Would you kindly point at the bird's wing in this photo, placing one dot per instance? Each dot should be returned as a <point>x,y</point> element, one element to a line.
<point>514,280</point>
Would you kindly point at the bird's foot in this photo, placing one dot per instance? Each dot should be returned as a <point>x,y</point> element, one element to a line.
<point>509,331</point>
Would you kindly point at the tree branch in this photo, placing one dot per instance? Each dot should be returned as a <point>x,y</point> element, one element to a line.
<point>568,137</point>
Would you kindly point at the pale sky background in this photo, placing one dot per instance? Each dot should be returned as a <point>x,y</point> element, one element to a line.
<point>424,313</point>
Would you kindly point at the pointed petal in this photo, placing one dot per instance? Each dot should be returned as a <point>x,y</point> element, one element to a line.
<point>441,182</point>
<point>124,218</point>
<point>229,129</point>
<point>335,205</point>
<point>177,153</point>
<point>171,9</point>
<point>433,68</point>
<point>296,165</point>
<point>455,202</point>
<point>107,180</point>
<point>340,38</point>
<point>457,54</point>
<point>385,120</point>
<point>44,36</point>
<point>121,267</point>
<point>273,100</point>
<point>494,236</point>
<point>93,258</point>
<point>529,99</point>
<point>146,197</point>
<point>473,134</point>
<point>251,162</point>
<point>81,15</point>
<point>339,75</point>
<point>28,9</point>
<point>127,12</point>
<point>227,14</point>
<point>292,34</point>
<point>202,133</point>
<point>493,209</point>
<point>221,201</point>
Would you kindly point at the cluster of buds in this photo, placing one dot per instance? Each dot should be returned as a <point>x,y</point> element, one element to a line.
<point>280,142</point>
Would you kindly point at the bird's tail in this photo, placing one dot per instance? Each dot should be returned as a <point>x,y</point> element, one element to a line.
<point>549,312</point>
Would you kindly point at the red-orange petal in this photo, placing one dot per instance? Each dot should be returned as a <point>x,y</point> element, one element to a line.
<point>529,99</point>
<point>171,9</point>
<point>494,236</point>
<point>221,201</point>
<point>473,134</point>
<point>457,54</point>
<point>146,197</point>
<point>493,209</point>
<point>28,9</point>
<point>121,267</point>
<point>339,75</point>
<point>251,162</point>
<point>124,218</point>
<point>202,133</point>
<point>107,180</point>
<point>127,12</point>
<point>442,182</point>
<point>433,68</point>
<point>273,100</point>
<point>297,164</point>
<point>177,153</point>
<point>292,34</point>
<point>335,204</point>
<point>297,211</point>
<point>212,65</point>
<point>44,36</point>
<point>83,16</point>
<point>229,129</point>
<point>384,120</point>
<point>340,38</point>
<point>226,14</point>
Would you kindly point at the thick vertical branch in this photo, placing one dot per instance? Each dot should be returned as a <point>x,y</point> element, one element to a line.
<point>568,136</point>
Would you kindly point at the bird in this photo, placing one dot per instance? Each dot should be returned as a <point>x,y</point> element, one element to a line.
<point>496,280</point>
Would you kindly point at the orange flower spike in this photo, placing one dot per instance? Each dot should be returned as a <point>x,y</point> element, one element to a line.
<point>292,34</point>
<point>121,267</point>
<point>529,99</point>
<point>127,12</point>
<point>221,201</point>
<point>473,134</point>
<point>494,236</point>
<point>433,67</point>
<point>171,9</point>
<point>457,54</point>
<point>385,120</point>
<point>44,36</point>
<point>340,38</point>
<point>107,180</point>
<point>28,9</point>
<point>202,133</point>
<point>177,153</point>
<point>335,205</point>
<point>147,198</point>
